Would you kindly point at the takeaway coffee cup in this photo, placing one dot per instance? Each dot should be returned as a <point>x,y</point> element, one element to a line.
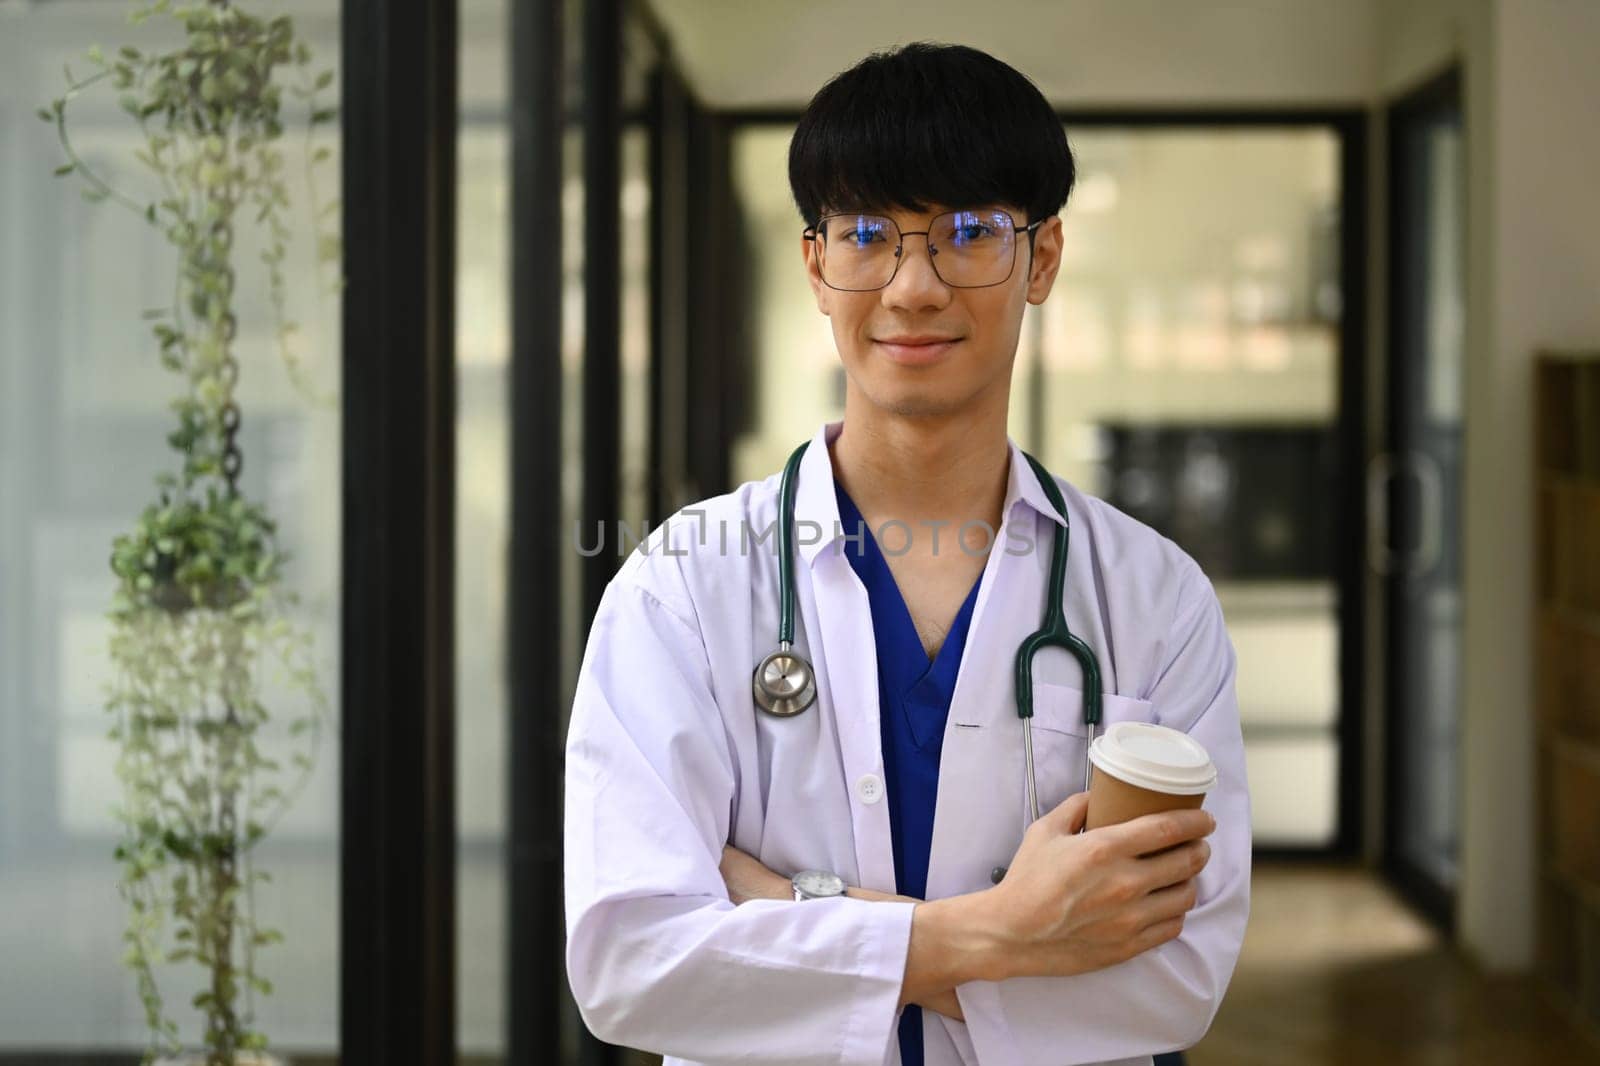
<point>1141,768</point>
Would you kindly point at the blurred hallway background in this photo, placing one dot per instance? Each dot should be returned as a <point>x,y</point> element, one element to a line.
<point>1327,318</point>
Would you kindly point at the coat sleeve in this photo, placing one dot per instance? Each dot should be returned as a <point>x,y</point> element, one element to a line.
<point>1165,998</point>
<point>658,957</point>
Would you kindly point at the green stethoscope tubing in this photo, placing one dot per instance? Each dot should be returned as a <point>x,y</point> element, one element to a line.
<point>784,681</point>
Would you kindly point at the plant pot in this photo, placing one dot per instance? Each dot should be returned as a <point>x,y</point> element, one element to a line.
<point>217,595</point>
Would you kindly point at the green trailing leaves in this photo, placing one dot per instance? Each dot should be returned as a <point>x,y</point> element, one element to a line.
<point>202,627</point>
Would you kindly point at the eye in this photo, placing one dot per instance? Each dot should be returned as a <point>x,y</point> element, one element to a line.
<point>969,228</point>
<point>862,232</point>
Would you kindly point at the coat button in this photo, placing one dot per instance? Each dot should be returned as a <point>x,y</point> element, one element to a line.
<point>870,788</point>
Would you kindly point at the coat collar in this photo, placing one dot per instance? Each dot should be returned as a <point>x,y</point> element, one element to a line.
<point>816,508</point>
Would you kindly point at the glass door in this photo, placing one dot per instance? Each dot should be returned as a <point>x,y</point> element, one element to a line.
<point>1414,491</point>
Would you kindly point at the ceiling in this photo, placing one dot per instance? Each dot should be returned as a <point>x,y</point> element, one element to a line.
<point>752,54</point>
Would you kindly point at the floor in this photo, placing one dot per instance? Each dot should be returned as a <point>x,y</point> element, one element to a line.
<point>1336,970</point>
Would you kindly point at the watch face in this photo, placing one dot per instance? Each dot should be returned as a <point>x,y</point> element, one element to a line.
<point>817,883</point>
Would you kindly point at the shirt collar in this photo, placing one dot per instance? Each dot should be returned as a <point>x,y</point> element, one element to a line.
<point>816,508</point>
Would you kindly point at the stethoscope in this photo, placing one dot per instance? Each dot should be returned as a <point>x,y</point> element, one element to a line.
<point>785,683</point>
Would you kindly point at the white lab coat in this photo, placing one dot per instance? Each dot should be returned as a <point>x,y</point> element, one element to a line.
<point>668,759</point>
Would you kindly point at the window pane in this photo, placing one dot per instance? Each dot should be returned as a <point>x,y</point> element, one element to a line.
<point>85,415</point>
<point>635,398</point>
<point>483,527</point>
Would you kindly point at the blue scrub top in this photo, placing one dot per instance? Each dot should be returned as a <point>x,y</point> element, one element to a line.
<point>913,703</point>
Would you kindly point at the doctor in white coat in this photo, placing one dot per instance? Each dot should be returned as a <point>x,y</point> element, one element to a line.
<point>930,179</point>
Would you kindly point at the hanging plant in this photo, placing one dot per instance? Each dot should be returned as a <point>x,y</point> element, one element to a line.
<point>202,630</point>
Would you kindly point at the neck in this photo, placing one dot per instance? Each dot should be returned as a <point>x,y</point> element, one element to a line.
<point>923,469</point>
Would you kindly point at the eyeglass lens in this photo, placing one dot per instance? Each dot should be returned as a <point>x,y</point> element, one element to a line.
<point>969,249</point>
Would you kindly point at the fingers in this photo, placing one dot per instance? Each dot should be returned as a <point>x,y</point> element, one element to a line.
<point>1068,815</point>
<point>1165,904</point>
<point>1179,864</point>
<point>1153,936</point>
<point>1157,832</point>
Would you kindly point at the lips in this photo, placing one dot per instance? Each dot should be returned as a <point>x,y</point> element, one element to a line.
<point>916,349</point>
<point>909,339</point>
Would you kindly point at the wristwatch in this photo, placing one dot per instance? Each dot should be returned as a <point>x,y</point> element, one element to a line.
<point>816,884</point>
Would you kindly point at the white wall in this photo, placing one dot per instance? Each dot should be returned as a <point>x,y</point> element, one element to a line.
<point>1543,252</point>
<point>1418,38</point>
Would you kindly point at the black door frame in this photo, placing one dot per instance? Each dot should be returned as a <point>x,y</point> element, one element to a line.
<point>533,916</point>
<point>397,821</point>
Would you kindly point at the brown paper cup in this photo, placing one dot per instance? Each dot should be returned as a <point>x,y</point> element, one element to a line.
<point>1141,768</point>
<point>1112,801</point>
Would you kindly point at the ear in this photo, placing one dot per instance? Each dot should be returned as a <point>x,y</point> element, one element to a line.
<point>823,294</point>
<point>1046,259</point>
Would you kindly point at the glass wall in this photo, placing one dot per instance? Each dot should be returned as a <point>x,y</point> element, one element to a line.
<point>635,322</point>
<point>483,322</point>
<point>1184,369</point>
<point>164,709</point>
<point>483,528</point>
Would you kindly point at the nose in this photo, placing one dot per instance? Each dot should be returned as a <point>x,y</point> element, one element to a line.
<point>915,282</point>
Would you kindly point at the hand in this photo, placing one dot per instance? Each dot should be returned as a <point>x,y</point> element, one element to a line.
<point>941,1002</point>
<point>748,878</point>
<point>1075,902</point>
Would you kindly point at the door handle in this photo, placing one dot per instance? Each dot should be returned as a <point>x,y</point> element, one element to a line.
<point>1430,483</point>
<point>1379,556</point>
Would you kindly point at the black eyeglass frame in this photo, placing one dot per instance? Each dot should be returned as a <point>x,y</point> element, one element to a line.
<point>812,233</point>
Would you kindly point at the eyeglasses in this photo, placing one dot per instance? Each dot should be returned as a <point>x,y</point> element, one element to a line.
<point>969,249</point>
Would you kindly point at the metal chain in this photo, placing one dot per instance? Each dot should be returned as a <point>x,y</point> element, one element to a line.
<point>232,458</point>
<point>232,461</point>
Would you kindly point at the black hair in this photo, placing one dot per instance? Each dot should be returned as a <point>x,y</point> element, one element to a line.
<point>927,124</point>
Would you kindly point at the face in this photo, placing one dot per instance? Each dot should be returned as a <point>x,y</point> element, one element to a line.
<point>975,329</point>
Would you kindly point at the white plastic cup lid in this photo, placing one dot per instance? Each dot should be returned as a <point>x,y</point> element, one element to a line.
<point>1152,756</point>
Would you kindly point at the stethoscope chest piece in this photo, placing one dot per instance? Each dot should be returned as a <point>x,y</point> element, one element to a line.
<point>784,683</point>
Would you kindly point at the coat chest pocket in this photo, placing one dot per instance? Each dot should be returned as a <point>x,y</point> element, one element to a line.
<point>1061,738</point>
<point>1059,708</point>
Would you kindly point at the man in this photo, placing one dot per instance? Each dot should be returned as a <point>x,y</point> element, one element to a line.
<point>930,179</point>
